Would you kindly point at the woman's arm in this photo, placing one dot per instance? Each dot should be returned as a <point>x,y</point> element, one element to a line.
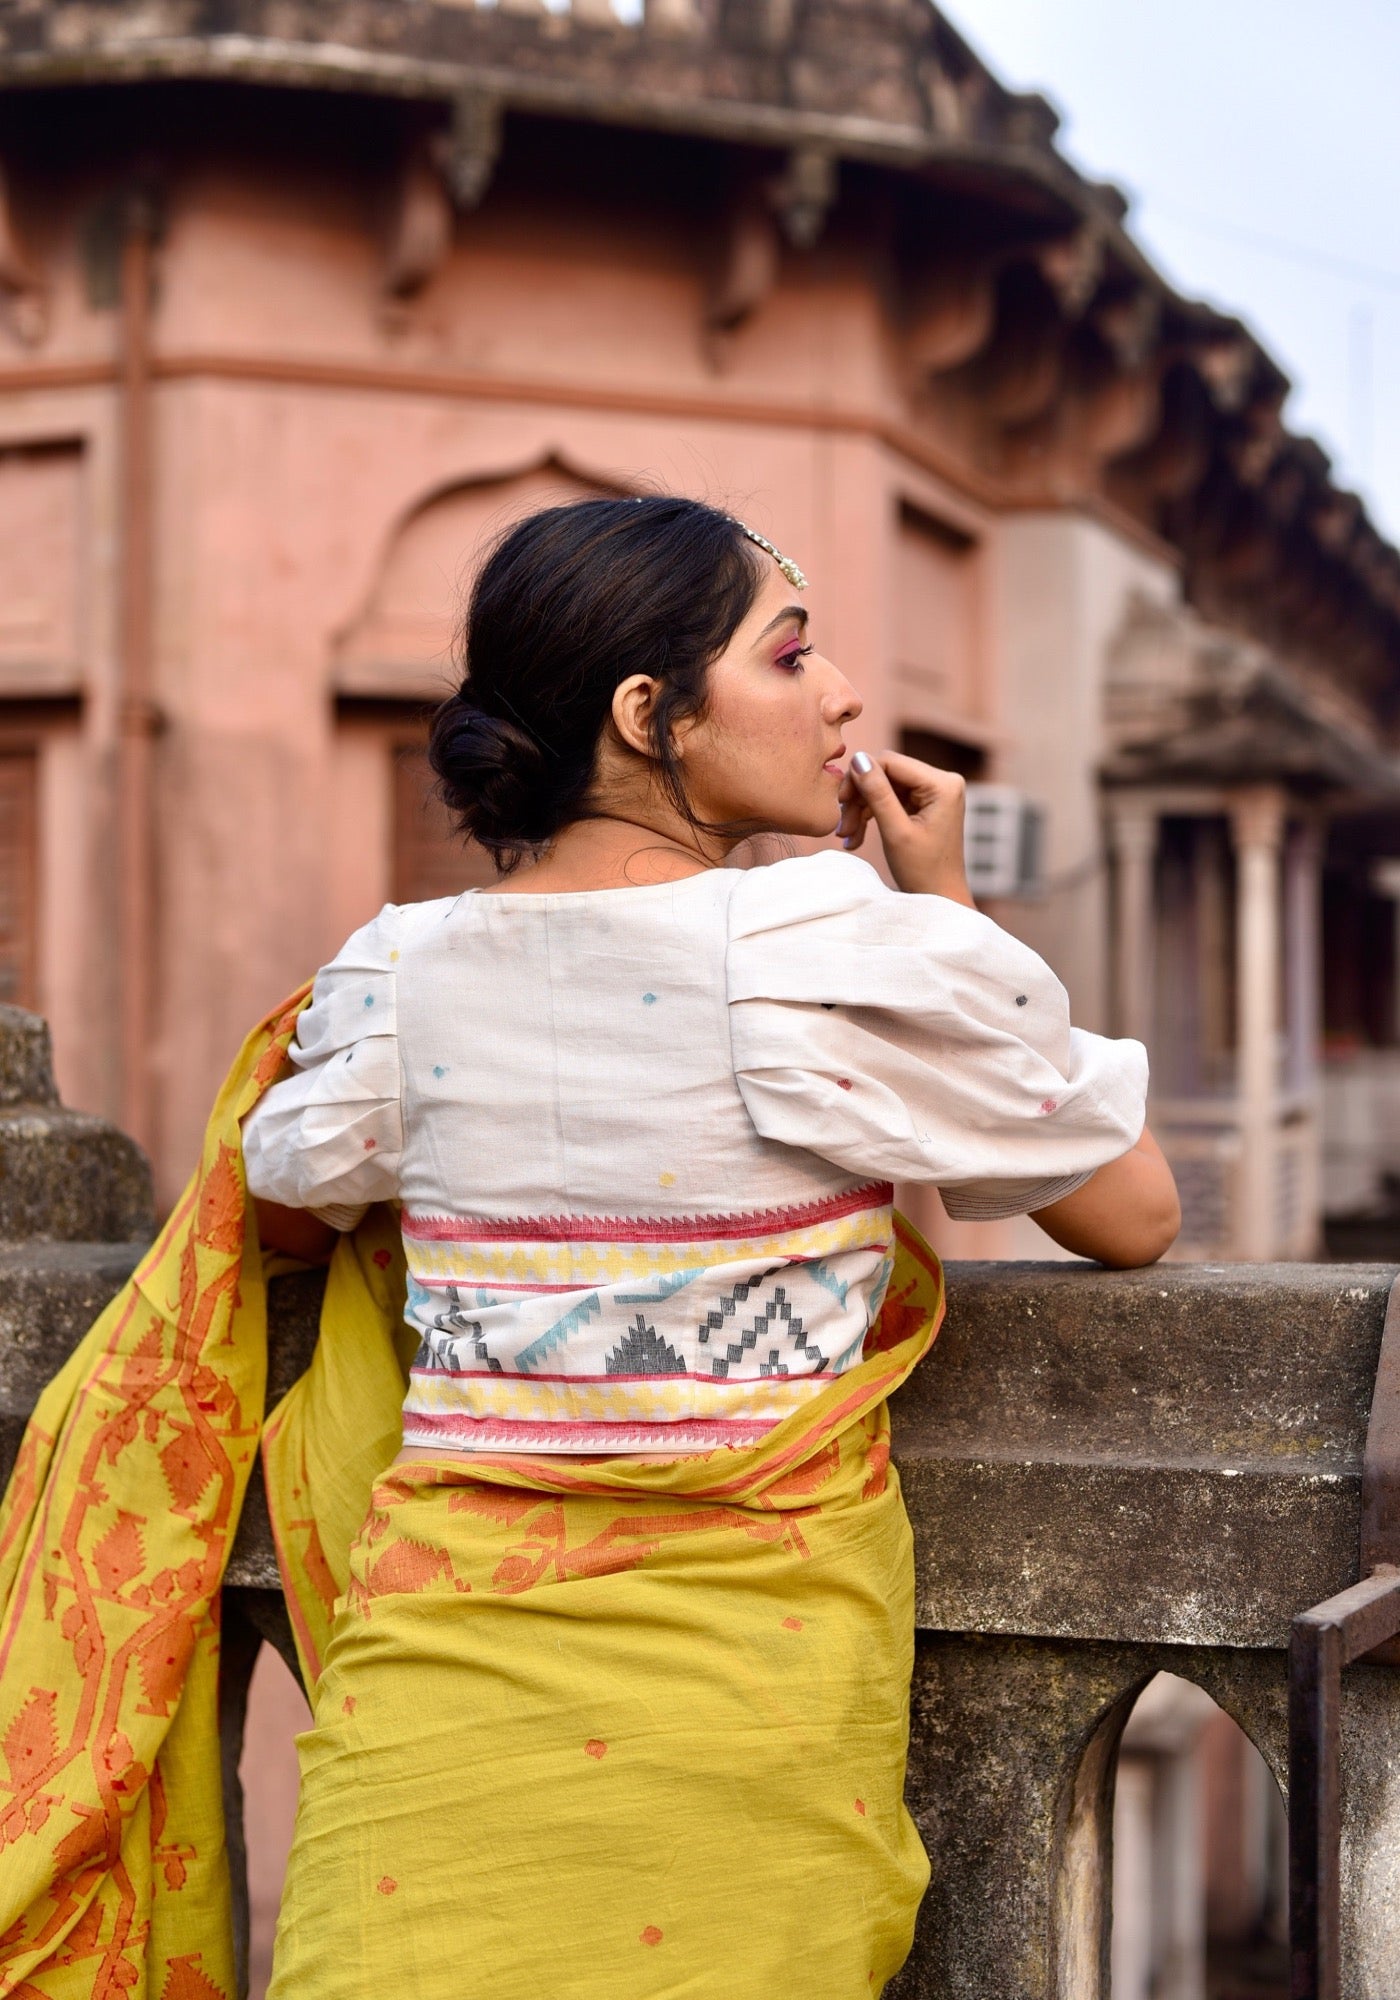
<point>1127,1215</point>
<point>294,1231</point>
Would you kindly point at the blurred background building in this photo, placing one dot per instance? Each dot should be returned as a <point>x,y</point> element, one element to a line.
<point>301,299</point>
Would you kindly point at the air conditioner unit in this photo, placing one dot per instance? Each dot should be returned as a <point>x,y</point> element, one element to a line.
<point>1004,842</point>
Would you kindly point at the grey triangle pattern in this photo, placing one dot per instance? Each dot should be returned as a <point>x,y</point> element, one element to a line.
<point>778,1313</point>
<point>642,1351</point>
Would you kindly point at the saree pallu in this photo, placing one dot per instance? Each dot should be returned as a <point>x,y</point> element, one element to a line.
<point>580,1730</point>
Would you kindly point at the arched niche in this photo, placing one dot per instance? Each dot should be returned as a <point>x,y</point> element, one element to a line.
<point>1200,1835</point>
<point>399,645</point>
<point>1014,1764</point>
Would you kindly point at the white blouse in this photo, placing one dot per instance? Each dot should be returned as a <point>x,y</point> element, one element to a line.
<point>643,1138</point>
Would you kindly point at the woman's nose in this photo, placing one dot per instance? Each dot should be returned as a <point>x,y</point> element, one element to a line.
<point>841,703</point>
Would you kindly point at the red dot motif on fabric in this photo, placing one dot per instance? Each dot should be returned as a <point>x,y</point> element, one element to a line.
<point>1049,1105</point>
<point>348,1705</point>
<point>595,1747</point>
<point>792,1624</point>
<point>844,1083</point>
<point>386,1885</point>
<point>651,1935</point>
<point>370,1145</point>
<point>860,1807</point>
<point>383,1259</point>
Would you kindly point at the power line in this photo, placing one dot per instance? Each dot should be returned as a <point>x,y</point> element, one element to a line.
<point>1279,246</point>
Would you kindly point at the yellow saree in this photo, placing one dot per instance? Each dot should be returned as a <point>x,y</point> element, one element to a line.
<point>595,1730</point>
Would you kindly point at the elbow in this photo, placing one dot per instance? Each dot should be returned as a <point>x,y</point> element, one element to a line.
<point>1152,1232</point>
<point>293,1231</point>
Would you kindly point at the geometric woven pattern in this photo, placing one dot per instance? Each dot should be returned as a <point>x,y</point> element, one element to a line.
<point>627,1333</point>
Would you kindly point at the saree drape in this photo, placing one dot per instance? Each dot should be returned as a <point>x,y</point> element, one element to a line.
<point>679,1652</point>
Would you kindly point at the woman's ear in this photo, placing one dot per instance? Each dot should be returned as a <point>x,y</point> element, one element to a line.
<point>633,706</point>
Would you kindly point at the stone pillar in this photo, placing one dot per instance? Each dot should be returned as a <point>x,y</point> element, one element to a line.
<point>1302,953</point>
<point>1133,835</point>
<point>1385,879</point>
<point>1012,1764</point>
<point>1302,895</point>
<point>1256,819</point>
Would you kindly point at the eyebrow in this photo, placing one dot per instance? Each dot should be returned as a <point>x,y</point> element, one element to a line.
<point>790,611</point>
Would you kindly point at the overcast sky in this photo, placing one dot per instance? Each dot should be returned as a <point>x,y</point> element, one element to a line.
<point>1259,143</point>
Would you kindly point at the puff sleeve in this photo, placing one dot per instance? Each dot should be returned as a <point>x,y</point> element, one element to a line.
<point>907,1037</point>
<point>330,1138</point>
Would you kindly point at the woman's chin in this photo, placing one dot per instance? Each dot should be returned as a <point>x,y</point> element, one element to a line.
<point>820,825</point>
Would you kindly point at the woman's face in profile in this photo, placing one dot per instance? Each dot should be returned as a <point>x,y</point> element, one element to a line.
<point>768,746</point>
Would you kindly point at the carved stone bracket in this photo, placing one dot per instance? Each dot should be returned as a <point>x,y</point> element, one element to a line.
<point>954,315</point>
<point>1072,266</point>
<point>1021,373</point>
<point>421,220</point>
<point>1129,326</point>
<point>805,193</point>
<point>746,271</point>
<point>1110,402</point>
<point>22,290</point>
<point>795,205</point>
<point>1175,458</point>
<point>473,147</point>
<point>1122,413</point>
<point>1227,367</point>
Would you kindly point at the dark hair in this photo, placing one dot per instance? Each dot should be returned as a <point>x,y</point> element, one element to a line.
<point>568,604</point>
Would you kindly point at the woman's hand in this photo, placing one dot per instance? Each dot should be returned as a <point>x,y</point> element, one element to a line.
<point>919,811</point>
<point>1127,1215</point>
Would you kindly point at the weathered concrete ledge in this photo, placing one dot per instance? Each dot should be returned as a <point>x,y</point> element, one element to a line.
<point>1169,1456</point>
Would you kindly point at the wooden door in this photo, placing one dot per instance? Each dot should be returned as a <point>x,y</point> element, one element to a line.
<point>18,878</point>
<point>430,858</point>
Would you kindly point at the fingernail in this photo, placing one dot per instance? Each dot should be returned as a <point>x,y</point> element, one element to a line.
<point>861,764</point>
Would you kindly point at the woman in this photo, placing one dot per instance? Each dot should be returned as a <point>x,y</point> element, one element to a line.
<point>626,1712</point>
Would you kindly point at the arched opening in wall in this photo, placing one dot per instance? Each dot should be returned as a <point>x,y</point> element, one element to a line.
<point>1200,1856</point>
<point>394,661</point>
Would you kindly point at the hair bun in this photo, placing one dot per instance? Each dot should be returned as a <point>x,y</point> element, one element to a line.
<point>491,774</point>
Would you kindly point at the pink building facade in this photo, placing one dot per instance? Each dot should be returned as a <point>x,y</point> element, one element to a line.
<point>298,304</point>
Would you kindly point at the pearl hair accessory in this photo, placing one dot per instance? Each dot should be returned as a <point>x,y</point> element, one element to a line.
<point>785,563</point>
